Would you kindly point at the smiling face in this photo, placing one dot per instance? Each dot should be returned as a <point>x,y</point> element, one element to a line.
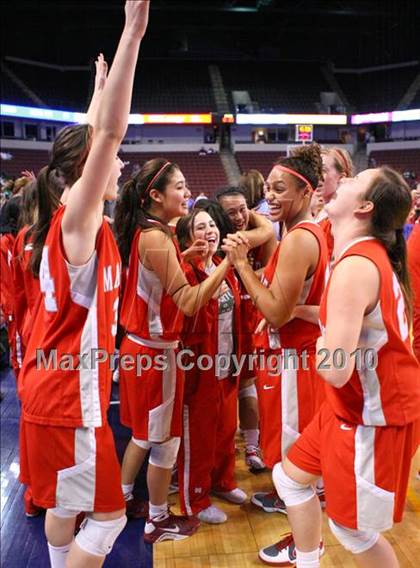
<point>204,227</point>
<point>174,200</point>
<point>349,197</point>
<point>285,200</point>
<point>237,210</point>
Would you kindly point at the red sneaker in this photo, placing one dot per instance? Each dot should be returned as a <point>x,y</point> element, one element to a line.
<point>172,527</point>
<point>283,553</point>
<point>31,510</point>
<point>137,509</point>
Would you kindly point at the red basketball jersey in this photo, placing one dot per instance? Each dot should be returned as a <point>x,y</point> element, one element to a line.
<point>147,310</point>
<point>66,371</point>
<point>413,256</point>
<point>297,333</point>
<point>26,286</point>
<point>325,225</point>
<point>6,282</point>
<point>384,389</point>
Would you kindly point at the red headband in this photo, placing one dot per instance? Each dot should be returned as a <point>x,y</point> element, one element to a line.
<point>154,178</point>
<point>293,173</point>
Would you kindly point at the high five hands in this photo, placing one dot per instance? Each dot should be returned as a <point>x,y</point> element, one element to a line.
<point>236,247</point>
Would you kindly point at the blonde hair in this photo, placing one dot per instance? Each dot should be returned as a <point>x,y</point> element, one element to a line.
<point>341,159</point>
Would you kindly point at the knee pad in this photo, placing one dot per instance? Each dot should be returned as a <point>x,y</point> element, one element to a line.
<point>164,455</point>
<point>353,540</point>
<point>292,492</point>
<point>250,391</point>
<point>63,513</point>
<point>98,537</point>
<point>143,444</point>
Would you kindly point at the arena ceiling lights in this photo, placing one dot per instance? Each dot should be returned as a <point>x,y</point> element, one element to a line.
<point>269,119</point>
<point>78,117</point>
<point>395,116</point>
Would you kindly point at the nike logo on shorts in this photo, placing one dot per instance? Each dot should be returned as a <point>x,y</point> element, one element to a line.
<point>267,387</point>
<point>345,427</point>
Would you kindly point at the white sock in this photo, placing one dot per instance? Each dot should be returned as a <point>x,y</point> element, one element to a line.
<point>307,559</point>
<point>156,511</point>
<point>58,555</point>
<point>128,491</point>
<point>251,437</point>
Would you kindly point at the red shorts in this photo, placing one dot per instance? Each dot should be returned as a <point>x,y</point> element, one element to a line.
<point>150,398</point>
<point>287,402</point>
<point>73,468</point>
<point>365,468</point>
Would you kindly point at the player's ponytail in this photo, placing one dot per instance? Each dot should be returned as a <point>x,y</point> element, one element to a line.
<point>68,157</point>
<point>392,201</point>
<point>132,210</point>
<point>305,160</point>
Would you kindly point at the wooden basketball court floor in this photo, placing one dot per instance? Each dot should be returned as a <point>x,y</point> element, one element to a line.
<point>235,544</point>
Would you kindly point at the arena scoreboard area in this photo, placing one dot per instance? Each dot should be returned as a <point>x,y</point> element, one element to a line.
<point>304,133</point>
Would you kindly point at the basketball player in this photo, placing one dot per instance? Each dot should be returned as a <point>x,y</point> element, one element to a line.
<point>206,460</point>
<point>336,165</point>
<point>68,454</point>
<point>290,393</point>
<point>260,234</point>
<point>363,438</point>
<point>156,297</point>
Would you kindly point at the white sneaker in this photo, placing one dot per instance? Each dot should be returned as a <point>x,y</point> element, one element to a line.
<point>253,458</point>
<point>236,496</point>
<point>212,515</point>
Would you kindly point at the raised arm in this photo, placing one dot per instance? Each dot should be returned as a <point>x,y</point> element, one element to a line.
<point>83,215</point>
<point>101,72</point>
<point>347,305</point>
<point>157,251</point>
<point>277,302</point>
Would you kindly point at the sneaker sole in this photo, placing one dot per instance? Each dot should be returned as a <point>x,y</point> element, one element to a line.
<point>288,563</point>
<point>268,509</point>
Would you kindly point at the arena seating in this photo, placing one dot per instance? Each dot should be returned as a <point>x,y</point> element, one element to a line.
<point>68,90</point>
<point>377,91</point>
<point>203,173</point>
<point>277,86</point>
<point>401,160</point>
<point>162,87</point>
<point>172,86</point>
<point>261,161</point>
<point>24,160</point>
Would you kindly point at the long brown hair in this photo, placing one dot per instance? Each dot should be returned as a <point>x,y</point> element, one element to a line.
<point>392,201</point>
<point>68,157</point>
<point>134,203</point>
<point>253,184</point>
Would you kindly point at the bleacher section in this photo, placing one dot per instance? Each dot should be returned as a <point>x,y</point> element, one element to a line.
<point>377,91</point>
<point>23,160</point>
<point>160,86</point>
<point>277,86</point>
<point>67,90</point>
<point>203,173</point>
<point>261,161</point>
<point>172,86</point>
<point>401,160</point>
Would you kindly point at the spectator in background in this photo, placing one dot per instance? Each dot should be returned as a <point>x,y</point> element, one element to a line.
<point>253,185</point>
